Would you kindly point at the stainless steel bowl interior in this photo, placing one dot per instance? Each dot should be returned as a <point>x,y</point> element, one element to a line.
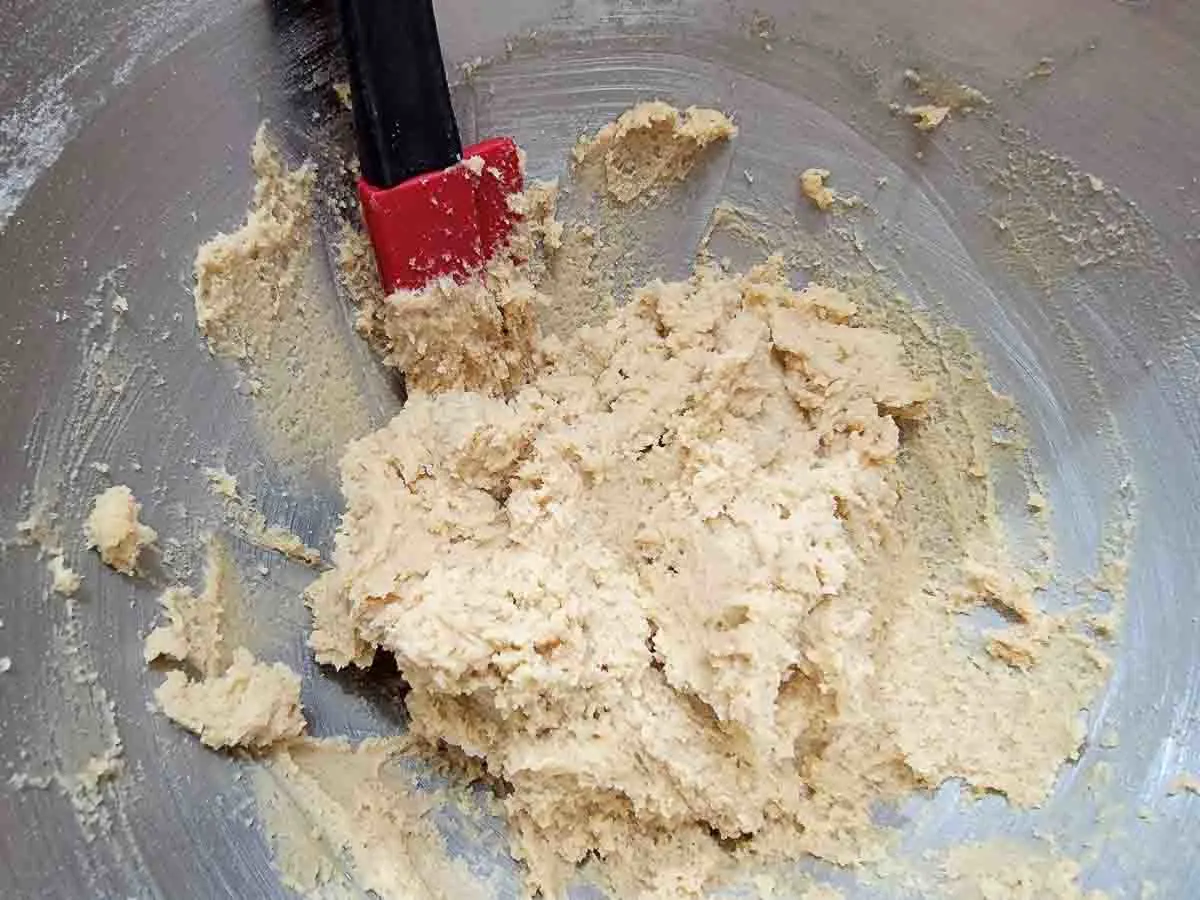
<point>124,129</point>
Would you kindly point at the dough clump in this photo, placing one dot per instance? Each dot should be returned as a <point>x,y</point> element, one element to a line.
<point>812,185</point>
<point>252,705</point>
<point>927,116</point>
<point>114,530</point>
<point>649,146</point>
<point>678,589</point>
<point>63,579</point>
<point>244,279</point>
<point>235,700</point>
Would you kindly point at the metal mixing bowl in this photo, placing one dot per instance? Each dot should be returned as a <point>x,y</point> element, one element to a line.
<point>124,129</point>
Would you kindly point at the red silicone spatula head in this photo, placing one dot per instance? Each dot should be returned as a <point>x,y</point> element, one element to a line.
<point>429,214</point>
<point>445,223</point>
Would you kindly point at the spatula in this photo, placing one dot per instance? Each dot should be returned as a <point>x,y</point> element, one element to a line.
<point>432,208</point>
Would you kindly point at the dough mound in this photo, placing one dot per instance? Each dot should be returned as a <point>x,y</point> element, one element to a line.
<point>252,705</point>
<point>602,586</point>
<point>113,529</point>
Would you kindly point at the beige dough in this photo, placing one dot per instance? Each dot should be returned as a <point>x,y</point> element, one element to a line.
<point>261,300</point>
<point>114,530</point>
<point>927,117</point>
<point>252,704</point>
<point>670,591</point>
<point>193,632</point>
<point>345,819</point>
<point>233,298</point>
<point>691,581</point>
<point>252,524</point>
<point>63,579</point>
<point>1011,871</point>
<point>235,701</point>
<point>650,146</point>
<point>812,185</point>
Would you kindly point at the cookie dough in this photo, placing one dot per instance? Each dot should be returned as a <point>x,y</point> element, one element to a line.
<point>63,579</point>
<point>252,704</point>
<point>671,591</point>
<point>246,279</point>
<point>927,116</point>
<point>114,530</point>
<point>650,146</point>
<point>193,633</point>
<point>812,186</point>
<point>694,581</point>
<point>261,301</point>
<point>1013,871</point>
<point>233,700</point>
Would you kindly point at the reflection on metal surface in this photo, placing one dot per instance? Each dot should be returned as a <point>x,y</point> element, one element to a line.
<point>123,137</point>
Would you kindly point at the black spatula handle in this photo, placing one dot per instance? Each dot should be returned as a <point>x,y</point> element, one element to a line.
<point>402,114</point>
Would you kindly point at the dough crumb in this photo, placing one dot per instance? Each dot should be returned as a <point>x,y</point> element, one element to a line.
<point>927,117</point>
<point>1043,69</point>
<point>341,90</point>
<point>63,579</point>
<point>1186,783</point>
<point>649,146</point>
<point>222,483</point>
<point>812,185</point>
<point>252,704</point>
<point>114,530</point>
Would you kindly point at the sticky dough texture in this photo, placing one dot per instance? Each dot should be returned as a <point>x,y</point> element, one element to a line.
<point>602,587</point>
<point>697,574</point>
<point>679,587</point>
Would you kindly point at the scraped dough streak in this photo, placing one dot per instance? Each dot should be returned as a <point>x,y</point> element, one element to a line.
<point>649,147</point>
